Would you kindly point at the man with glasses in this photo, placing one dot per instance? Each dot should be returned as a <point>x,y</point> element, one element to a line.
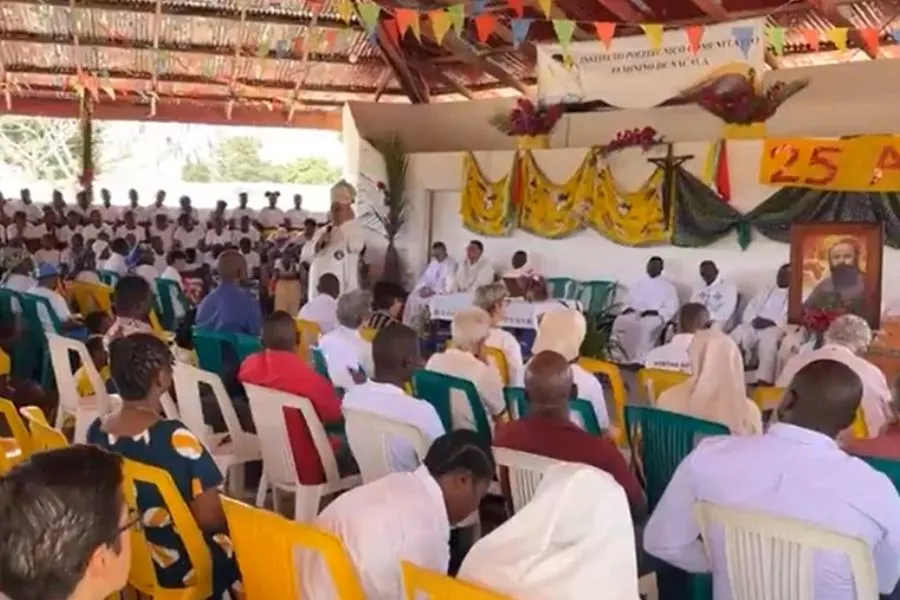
<point>64,527</point>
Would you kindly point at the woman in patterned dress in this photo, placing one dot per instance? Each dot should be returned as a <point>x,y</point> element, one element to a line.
<point>141,366</point>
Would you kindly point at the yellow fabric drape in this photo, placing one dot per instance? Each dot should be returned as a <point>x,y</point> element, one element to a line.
<point>485,206</point>
<point>554,210</point>
<point>633,218</point>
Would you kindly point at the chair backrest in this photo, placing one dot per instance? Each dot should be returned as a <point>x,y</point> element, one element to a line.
<point>523,471</point>
<point>859,428</point>
<point>143,572</point>
<point>33,306</point>
<point>756,544</point>
<point>17,427</point>
<point>656,381</point>
<point>596,296</point>
<point>517,405</point>
<point>209,346</point>
<point>273,573</point>
<point>422,584</point>
<point>43,436</point>
<point>169,292</point>
<point>309,332</point>
<point>371,438</point>
<point>437,389</point>
<point>496,357</point>
<point>516,402</point>
<point>889,467</point>
<point>660,440</point>
<point>245,345</point>
<point>767,396</point>
<point>562,288</point>
<point>368,333</point>
<point>319,362</point>
<point>110,278</point>
<point>61,348</point>
<point>613,376</point>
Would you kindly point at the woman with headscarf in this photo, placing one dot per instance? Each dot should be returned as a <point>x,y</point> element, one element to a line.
<point>337,246</point>
<point>716,390</point>
<point>572,541</point>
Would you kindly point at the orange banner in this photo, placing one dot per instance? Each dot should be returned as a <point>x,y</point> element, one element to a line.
<point>861,164</point>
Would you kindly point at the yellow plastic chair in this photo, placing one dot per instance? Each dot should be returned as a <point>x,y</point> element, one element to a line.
<point>617,385</point>
<point>142,576</point>
<point>496,357</point>
<point>43,436</point>
<point>273,573</point>
<point>89,297</point>
<point>767,396</point>
<point>656,381</point>
<point>859,428</point>
<point>368,333</point>
<point>20,443</point>
<point>309,333</point>
<point>419,583</point>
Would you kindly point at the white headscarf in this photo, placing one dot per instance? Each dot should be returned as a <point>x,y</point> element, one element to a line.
<point>561,331</point>
<point>573,541</point>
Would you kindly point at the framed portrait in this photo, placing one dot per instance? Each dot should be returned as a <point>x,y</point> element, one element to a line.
<point>836,266</point>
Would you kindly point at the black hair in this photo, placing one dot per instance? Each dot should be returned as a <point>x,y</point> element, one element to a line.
<point>56,509</point>
<point>440,245</point>
<point>94,344</point>
<point>310,221</point>
<point>131,292</point>
<point>391,345</point>
<point>477,244</point>
<point>175,255</point>
<point>94,320</point>
<point>119,246</point>
<point>385,293</point>
<point>279,331</point>
<point>135,361</point>
<point>461,450</point>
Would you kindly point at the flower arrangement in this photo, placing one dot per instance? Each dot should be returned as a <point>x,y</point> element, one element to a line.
<point>528,119</point>
<point>740,99</point>
<point>645,138</point>
<point>818,320</point>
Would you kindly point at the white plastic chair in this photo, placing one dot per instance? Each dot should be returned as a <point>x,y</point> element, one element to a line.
<point>278,459</point>
<point>772,557</point>
<point>84,410</point>
<point>372,438</point>
<point>524,473</point>
<point>243,447</point>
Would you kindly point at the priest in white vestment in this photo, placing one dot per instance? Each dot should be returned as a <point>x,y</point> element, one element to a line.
<point>336,247</point>
<point>652,302</point>
<point>719,296</point>
<point>763,326</point>
<point>522,265</point>
<point>436,279</point>
<point>475,271</point>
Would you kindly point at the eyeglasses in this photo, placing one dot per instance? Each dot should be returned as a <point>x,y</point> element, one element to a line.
<point>133,522</point>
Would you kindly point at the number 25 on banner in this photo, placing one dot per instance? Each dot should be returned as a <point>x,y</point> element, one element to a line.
<point>817,166</point>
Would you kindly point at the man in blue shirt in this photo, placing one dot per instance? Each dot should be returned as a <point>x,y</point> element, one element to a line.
<point>230,308</point>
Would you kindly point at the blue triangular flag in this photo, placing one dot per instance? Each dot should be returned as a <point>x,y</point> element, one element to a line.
<point>478,7</point>
<point>519,29</point>
<point>281,48</point>
<point>743,37</point>
<point>896,35</point>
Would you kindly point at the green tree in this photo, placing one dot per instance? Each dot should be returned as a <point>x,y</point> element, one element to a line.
<point>49,149</point>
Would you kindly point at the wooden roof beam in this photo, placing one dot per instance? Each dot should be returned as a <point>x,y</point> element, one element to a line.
<point>624,10</point>
<point>387,74</point>
<point>393,56</point>
<point>712,8</point>
<point>445,79</point>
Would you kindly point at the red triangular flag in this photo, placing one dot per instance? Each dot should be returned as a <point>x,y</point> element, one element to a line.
<point>811,36</point>
<point>605,32</point>
<point>518,7</point>
<point>406,18</point>
<point>723,175</point>
<point>484,26</point>
<point>329,39</point>
<point>392,31</point>
<point>695,36</point>
<point>297,44</point>
<point>870,37</point>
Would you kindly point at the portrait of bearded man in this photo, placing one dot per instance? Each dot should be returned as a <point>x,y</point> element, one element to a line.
<point>846,282</point>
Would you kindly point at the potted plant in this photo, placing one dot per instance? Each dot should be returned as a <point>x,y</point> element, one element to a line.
<point>391,212</point>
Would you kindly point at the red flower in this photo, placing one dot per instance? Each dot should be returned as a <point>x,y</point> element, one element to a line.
<point>381,186</point>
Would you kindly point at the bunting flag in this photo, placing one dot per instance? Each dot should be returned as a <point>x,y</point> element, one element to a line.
<point>345,10</point>
<point>262,50</point>
<point>518,7</point>
<point>484,26</point>
<point>478,7</point>
<point>895,34</point>
<point>605,32</point>
<point>654,32</point>
<point>368,14</point>
<point>694,35</point>
<point>743,37</point>
<point>546,7</point>
<point>392,31</point>
<point>811,37</point>
<point>440,25</point>
<point>776,39</point>
<point>457,17</point>
<point>519,30</point>
<point>564,29</point>
<point>407,19</point>
<point>281,48</point>
<point>838,37</point>
<point>870,37</point>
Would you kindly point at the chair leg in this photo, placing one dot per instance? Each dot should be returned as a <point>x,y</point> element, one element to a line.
<point>236,481</point>
<point>261,492</point>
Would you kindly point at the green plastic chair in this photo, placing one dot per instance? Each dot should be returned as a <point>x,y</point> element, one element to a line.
<point>209,346</point>
<point>517,405</point>
<point>34,328</point>
<point>110,278</point>
<point>889,467</point>
<point>562,288</point>
<point>164,291</point>
<point>245,345</point>
<point>596,297</point>
<point>26,355</point>
<point>319,362</point>
<point>435,388</point>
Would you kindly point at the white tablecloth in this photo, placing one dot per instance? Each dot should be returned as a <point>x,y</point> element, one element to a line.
<point>520,314</point>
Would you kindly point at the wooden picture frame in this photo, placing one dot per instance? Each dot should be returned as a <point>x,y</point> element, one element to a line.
<point>817,249</point>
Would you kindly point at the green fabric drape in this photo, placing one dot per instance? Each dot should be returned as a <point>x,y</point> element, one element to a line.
<point>700,217</point>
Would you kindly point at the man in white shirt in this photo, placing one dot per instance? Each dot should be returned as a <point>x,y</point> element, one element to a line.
<point>846,341</point>
<point>95,228</point>
<point>322,309</point>
<point>719,296</point>
<point>71,227</point>
<point>475,271</point>
<point>344,348</point>
<point>295,217</point>
<point>32,211</point>
<point>795,470</point>
<point>470,329</point>
<point>271,217</point>
<point>185,208</point>
<point>18,268</point>
<point>652,302</point>
<point>403,516</point>
<point>763,326</point>
<point>108,212</point>
<point>130,231</point>
<point>218,235</point>
<point>162,228</point>
<point>247,229</point>
<point>20,229</point>
<point>675,356</point>
<point>522,266</point>
<point>436,279</point>
<point>116,261</point>
<point>47,281</point>
<point>241,211</point>
<point>187,235</point>
<point>48,252</point>
<point>395,351</point>
<point>159,206</point>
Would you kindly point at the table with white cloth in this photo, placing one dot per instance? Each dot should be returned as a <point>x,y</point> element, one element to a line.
<point>519,313</point>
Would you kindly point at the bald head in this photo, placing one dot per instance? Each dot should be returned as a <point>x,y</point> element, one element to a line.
<point>395,352</point>
<point>549,384</point>
<point>823,396</point>
<point>280,332</point>
<point>232,266</point>
<point>693,318</point>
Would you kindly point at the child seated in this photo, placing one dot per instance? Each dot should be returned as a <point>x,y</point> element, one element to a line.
<point>97,349</point>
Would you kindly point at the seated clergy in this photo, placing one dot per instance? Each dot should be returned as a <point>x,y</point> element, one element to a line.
<point>436,279</point>
<point>846,340</point>
<point>762,327</point>
<point>465,359</point>
<point>652,302</point>
<point>522,266</point>
<point>476,270</point>
<point>794,470</point>
<point>676,356</point>
<point>719,296</point>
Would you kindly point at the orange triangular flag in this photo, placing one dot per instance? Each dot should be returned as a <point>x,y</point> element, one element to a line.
<point>485,24</point>
<point>870,37</point>
<point>392,31</point>
<point>407,19</point>
<point>605,32</point>
<point>695,36</point>
<point>811,37</point>
<point>518,7</point>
